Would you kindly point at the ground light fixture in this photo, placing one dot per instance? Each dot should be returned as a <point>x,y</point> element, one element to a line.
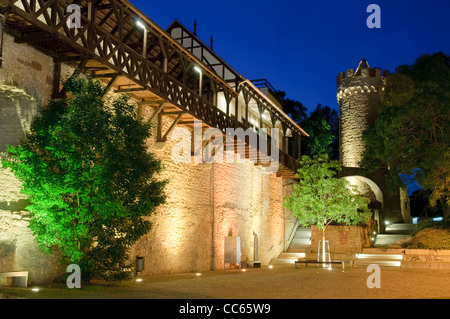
<point>35,289</point>
<point>138,279</point>
<point>270,266</point>
<point>198,274</point>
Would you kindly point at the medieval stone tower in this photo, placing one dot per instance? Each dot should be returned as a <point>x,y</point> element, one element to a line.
<point>359,100</point>
<point>358,94</point>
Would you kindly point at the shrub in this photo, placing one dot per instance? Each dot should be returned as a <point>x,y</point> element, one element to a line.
<point>431,238</point>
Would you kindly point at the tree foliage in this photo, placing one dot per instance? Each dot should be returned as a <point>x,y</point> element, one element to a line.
<point>90,179</point>
<point>411,132</point>
<point>319,129</point>
<point>321,198</point>
<point>295,109</point>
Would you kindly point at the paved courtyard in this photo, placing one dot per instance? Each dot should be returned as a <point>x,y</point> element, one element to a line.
<point>281,282</point>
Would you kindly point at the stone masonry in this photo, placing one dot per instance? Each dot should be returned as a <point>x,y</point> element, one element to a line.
<point>205,202</point>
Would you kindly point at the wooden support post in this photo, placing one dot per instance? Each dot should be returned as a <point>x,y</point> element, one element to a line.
<point>90,15</point>
<point>84,59</point>
<point>144,43</point>
<point>156,112</point>
<point>261,112</point>
<point>110,84</point>
<point>175,122</point>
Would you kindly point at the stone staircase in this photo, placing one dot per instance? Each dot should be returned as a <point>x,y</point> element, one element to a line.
<point>299,247</point>
<point>383,257</point>
<point>387,250</point>
<point>395,235</point>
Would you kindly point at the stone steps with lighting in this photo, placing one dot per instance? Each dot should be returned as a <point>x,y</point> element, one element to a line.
<point>395,235</point>
<point>390,240</point>
<point>387,257</point>
<point>301,241</point>
<point>298,248</point>
<point>400,229</point>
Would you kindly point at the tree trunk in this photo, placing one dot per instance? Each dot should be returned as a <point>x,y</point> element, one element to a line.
<point>323,245</point>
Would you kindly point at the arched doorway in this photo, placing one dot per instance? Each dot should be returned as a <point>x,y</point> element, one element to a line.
<point>372,191</point>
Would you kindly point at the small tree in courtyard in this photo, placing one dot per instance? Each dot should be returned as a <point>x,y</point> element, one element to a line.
<point>90,179</point>
<point>321,198</point>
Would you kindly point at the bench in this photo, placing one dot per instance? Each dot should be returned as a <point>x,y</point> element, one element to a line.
<point>19,278</point>
<point>342,262</point>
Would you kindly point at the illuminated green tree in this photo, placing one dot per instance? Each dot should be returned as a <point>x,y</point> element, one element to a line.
<point>410,134</point>
<point>90,179</point>
<point>321,136</point>
<point>321,198</point>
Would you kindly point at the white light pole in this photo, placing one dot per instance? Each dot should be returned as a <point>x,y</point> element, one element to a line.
<point>144,44</point>
<point>200,79</point>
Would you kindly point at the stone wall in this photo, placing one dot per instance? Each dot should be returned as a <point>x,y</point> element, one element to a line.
<point>25,84</point>
<point>205,202</point>
<point>358,109</point>
<point>343,239</point>
<point>28,69</point>
<point>359,97</point>
<point>426,259</point>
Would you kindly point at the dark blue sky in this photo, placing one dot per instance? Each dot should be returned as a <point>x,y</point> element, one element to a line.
<point>301,46</point>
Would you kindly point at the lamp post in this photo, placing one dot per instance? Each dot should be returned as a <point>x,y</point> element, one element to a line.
<point>200,79</point>
<point>144,44</point>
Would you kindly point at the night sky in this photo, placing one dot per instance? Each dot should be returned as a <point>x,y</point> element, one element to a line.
<point>301,46</point>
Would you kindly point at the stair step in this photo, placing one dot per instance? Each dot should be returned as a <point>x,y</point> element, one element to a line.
<point>383,250</point>
<point>282,261</point>
<point>405,229</point>
<point>381,263</point>
<point>379,256</point>
<point>301,242</point>
<point>292,255</point>
<point>390,239</point>
<point>300,246</point>
<point>298,250</point>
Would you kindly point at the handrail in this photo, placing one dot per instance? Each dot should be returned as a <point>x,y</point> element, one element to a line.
<point>94,41</point>
<point>293,231</point>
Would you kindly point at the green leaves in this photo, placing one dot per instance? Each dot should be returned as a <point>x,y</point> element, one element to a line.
<point>91,181</point>
<point>320,198</point>
<point>317,126</point>
<point>411,131</point>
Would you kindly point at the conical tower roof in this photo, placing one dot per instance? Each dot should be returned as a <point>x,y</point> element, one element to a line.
<point>362,65</point>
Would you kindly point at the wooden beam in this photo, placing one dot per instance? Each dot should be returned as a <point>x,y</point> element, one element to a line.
<point>174,123</point>
<point>76,72</point>
<point>156,112</point>
<point>110,84</point>
<point>130,90</point>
